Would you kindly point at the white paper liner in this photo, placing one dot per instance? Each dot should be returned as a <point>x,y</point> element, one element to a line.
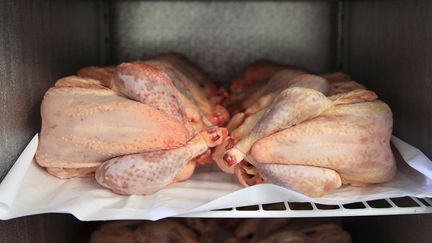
<point>29,189</point>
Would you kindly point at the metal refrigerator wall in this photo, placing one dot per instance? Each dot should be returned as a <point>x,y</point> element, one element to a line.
<point>40,41</point>
<point>225,36</point>
<point>389,48</point>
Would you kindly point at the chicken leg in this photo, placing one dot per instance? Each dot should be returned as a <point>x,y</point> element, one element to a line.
<point>146,173</point>
<point>151,86</point>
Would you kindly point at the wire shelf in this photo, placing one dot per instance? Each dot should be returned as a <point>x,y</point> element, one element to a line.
<point>388,206</point>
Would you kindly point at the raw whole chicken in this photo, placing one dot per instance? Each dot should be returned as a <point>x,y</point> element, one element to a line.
<point>288,230</point>
<point>255,74</point>
<point>241,122</point>
<point>326,233</point>
<point>138,144</point>
<point>163,231</point>
<point>116,232</point>
<point>347,143</point>
<point>296,136</point>
<point>208,230</point>
<point>255,230</point>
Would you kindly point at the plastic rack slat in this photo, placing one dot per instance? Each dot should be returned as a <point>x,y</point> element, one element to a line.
<point>259,212</point>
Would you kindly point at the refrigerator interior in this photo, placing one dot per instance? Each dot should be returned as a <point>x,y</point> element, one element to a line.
<point>382,44</point>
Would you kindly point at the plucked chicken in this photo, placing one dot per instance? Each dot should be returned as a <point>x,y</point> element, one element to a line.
<point>311,134</point>
<point>133,125</point>
<point>211,230</point>
<point>163,231</point>
<point>288,231</point>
